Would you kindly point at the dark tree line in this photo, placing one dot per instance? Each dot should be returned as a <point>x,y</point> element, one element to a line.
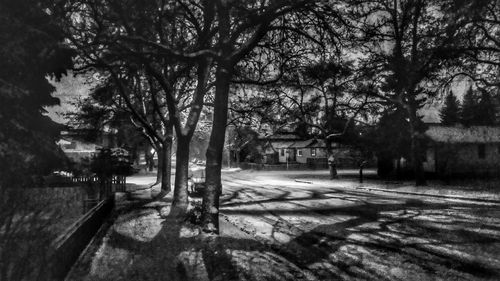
<point>476,109</point>
<point>31,49</point>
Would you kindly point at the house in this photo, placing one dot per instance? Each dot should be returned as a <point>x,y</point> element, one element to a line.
<point>76,149</point>
<point>462,150</point>
<point>289,148</point>
<point>275,148</point>
<point>311,149</point>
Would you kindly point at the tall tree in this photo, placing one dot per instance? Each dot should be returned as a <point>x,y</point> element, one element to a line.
<point>391,139</point>
<point>483,46</point>
<point>405,47</point>
<point>31,48</point>
<point>486,110</point>
<point>451,109</point>
<point>469,108</point>
<point>168,42</point>
<point>242,26</point>
<point>105,110</point>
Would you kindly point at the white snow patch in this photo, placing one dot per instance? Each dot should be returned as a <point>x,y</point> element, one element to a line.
<point>141,226</point>
<point>188,232</point>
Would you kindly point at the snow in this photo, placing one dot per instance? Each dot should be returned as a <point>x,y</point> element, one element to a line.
<point>275,228</point>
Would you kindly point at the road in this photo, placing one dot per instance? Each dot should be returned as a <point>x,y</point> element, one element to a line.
<point>332,231</point>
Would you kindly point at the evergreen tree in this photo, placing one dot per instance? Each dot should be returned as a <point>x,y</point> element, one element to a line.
<point>30,50</point>
<point>469,108</point>
<point>450,112</point>
<point>485,113</point>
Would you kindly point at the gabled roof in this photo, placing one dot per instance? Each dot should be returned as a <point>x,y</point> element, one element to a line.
<point>310,143</point>
<point>281,137</point>
<point>280,144</point>
<point>460,134</point>
<point>302,144</point>
<point>317,144</point>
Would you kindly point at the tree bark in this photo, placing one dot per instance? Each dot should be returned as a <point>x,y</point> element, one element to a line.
<point>166,168</point>
<point>210,205</point>
<point>159,166</point>
<point>180,199</point>
<point>149,157</point>
<point>418,167</point>
<point>416,147</point>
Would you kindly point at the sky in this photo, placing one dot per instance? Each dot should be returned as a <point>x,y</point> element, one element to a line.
<point>69,90</point>
<point>72,88</point>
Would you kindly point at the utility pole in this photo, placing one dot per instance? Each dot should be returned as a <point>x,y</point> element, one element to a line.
<point>286,156</point>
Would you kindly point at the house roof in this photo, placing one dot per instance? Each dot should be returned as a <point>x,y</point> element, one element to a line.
<point>281,144</point>
<point>317,144</point>
<point>281,137</point>
<point>310,143</point>
<point>459,134</point>
<point>302,144</point>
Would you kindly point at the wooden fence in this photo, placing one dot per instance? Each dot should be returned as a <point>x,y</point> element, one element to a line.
<point>69,245</point>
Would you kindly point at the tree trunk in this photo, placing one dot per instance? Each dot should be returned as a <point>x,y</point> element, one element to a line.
<point>166,168</point>
<point>416,146</point>
<point>149,157</point>
<point>159,166</point>
<point>210,205</point>
<point>418,166</point>
<point>180,200</point>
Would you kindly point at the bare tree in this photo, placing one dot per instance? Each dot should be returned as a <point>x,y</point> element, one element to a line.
<point>405,46</point>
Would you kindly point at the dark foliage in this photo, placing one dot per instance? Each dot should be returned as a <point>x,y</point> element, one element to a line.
<point>486,111</point>
<point>30,49</point>
<point>469,108</point>
<point>108,162</point>
<point>450,112</point>
<point>478,109</point>
<point>391,140</point>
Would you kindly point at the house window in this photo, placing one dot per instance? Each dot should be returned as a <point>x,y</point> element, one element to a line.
<point>481,151</point>
<point>299,152</point>
<point>282,152</point>
<point>313,151</point>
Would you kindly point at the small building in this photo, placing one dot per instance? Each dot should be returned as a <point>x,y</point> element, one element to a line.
<point>76,149</point>
<point>73,144</point>
<point>471,150</point>
<point>281,149</point>
<point>276,148</point>
<point>311,149</point>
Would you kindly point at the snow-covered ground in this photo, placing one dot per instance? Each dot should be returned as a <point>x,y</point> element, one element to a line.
<point>275,227</point>
<point>333,231</point>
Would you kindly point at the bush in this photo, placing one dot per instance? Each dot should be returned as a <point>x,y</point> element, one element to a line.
<point>114,161</point>
<point>194,214</point>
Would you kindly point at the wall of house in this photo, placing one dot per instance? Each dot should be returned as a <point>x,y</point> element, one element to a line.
<point>464,159</point>
<point>76,150</point>
<point>291,155</point>
<point>306,153</point>
<point>281,155</point>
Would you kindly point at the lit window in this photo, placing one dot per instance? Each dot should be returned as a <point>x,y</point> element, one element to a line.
<point>299,152</point>
<point>481,151</point>
<point>313,151</point>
